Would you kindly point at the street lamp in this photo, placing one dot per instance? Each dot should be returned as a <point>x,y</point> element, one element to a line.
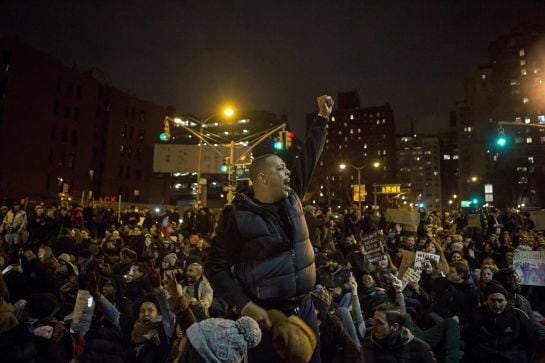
<point>374,164</point>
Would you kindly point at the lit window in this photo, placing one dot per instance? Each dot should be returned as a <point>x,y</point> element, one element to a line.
<point>455,157</point>
<point>483,76</point>
<point>364,154</point>
<point>469,129</point>
<point>522,62</point>
<point>523,71</point>
<point>340,147</point>
<point>517,119</point>
<point>521,53</point>
<point>515,83</point>
<point>525,100</point>
<point>383,152</point>
<point>542,139</point>
<point>536,70</point>
<point>531,159</point>
<point>378,122</point>
<point>541,119</point>
<point>351,117</point>
<point>345,124</point>
<point>351,131</point>
<point>340,132</point>
<point>528,140</point>
<point>383,121</point>
<point>446,157</point>
<point>359,131</point>
<point>526,120</point>
<point>365,146</point>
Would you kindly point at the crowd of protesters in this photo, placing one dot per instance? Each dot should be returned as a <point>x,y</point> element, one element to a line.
<point>146,274</point>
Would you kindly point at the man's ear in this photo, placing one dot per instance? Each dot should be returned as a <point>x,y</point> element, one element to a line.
<point>261,178</point>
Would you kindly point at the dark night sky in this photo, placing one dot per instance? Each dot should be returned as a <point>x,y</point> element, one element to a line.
<point>277,55</point>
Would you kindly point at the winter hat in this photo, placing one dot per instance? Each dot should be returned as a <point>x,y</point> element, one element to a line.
<point>222,340</point>
<point>66,258</point>
<point>42,305</point>
<point>171,259</point>
<point>494,287</point>
<point>321,299</point>
<point>292,339</point>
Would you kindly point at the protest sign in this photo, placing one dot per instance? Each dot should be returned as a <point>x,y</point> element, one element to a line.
<point>410,219</point>
<point>372,245</point>
<point>411,275</point>
<point>421,256</point>
<point>530,267</point>
<point>83,312</point>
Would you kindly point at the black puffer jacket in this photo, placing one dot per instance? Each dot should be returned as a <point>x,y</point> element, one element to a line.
<point>274,266</point>
<point>399,347</point>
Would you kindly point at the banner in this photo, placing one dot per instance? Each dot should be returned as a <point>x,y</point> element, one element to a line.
<point>530,267</point>
<point>372,245</point>
<point>421,256</point>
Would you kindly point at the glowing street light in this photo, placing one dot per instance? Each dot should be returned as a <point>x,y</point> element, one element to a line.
<point>375,165</point>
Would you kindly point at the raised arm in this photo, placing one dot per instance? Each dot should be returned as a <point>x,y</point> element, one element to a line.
<point>305,163</point>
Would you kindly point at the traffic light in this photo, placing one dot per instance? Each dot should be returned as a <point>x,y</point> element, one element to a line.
<point>165,135</point>
<point>289,136</point>
<point>225,166</point>
<point>277,145</point>
<point>501,140</point>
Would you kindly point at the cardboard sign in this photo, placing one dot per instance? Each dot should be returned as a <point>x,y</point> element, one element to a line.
<point>409,218</point>
<point>530,267</point>
<point>372,245</point>
<point>83,312</point>
<point>410,275</point>
<point>474,221</point>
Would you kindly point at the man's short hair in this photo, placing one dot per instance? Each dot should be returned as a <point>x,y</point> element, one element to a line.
<point>392,313</point>
<point>461,269</point>
<point>258,165</point>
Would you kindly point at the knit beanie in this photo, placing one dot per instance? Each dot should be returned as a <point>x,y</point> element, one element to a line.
<point>171,259</point>
<point>321,299</point>
<point>494,287</point>
<point>292,339</point>
<point>221,340</point>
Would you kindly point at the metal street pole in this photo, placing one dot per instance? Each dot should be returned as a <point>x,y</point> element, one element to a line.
<point>359,189</point>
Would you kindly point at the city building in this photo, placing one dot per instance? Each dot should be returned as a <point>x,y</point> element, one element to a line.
<point>449,156</point>
<point>418,157</point>
<point>70,134</point>
<point>357,137</point>
<point>501,123</point>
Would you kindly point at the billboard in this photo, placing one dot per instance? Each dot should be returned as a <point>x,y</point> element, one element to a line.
<point>177,158</point>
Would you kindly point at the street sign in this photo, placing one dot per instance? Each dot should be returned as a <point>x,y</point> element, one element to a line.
<point>359,192</point>
<point>242,171</point>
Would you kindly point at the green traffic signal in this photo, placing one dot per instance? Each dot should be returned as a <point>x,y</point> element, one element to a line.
<point>277,145</point>
<point>223,168</point>
<point>163,137</point>
<point>501,141</point>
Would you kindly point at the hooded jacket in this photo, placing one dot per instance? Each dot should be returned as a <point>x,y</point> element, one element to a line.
<point>399,347</point>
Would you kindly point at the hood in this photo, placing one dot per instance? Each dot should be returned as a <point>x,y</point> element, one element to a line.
<point>394,340</point>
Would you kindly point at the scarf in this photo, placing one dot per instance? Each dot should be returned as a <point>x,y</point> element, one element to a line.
<point>142,332</point>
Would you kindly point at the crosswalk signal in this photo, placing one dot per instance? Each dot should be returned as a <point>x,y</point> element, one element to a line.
<point>165,135</point>
<point>501,140</point>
